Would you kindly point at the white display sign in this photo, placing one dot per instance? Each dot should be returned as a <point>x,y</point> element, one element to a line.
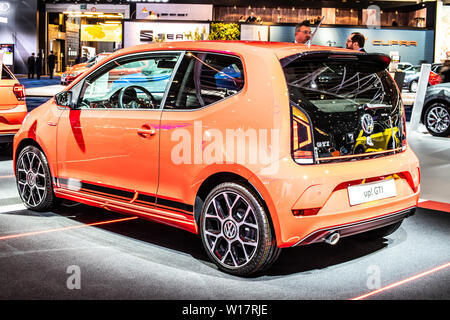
<point>1,65</point>
<point>254,32</point>
<point>172,11</point>
<point>7,54</point>
<point>442,36</point>
<point>136,33</point>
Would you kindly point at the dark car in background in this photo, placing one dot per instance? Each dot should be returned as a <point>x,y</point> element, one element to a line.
<point>412,75</point>
<point>436,110</point>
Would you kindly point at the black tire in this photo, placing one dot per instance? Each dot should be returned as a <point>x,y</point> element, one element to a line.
<point>33,179</point>
<point>380,232</point>
<point>437,119</point>
<point>236,231</point>
<point>413,86</point>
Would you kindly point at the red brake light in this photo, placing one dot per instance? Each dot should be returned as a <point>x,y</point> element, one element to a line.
<point>19,91</point>
<point>434,78</point>
<point>302,144</point>
<point>306,212</point>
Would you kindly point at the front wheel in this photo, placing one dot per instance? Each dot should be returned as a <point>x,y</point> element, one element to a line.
<point>33,179</point>
<point>437,119</point>
<point>236,231</point>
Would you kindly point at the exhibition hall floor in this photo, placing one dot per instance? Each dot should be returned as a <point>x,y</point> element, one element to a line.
<point>114,256</point>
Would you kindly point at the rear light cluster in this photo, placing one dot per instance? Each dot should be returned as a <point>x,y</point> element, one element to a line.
<point>302,142</point>
<point>306,212</point>
<point>434,78</point>
<point>19,91</point>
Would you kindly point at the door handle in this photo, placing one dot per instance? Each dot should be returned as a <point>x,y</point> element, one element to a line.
<point>146,131</point>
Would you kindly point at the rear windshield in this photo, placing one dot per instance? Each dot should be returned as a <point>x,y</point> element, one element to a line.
<point>354,106</point>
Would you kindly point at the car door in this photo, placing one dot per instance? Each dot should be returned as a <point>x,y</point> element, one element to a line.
<point>201,81</point>
<point>108,144</point>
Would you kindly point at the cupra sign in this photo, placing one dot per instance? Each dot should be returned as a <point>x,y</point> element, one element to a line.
<point>394,43</point>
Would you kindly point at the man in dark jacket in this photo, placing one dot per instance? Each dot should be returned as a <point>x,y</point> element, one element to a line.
<point>356,41</point>
<point>31,65</point>
<point>51,61</point>
<point>39,65</point>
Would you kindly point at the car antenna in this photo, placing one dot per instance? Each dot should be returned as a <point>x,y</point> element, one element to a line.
<point>314,33</point>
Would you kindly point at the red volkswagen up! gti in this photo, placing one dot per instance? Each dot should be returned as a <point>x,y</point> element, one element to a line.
<point>254,146</point>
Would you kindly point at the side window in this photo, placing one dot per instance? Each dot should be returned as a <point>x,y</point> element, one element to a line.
<point>203,79</point>
<point>129,83</point>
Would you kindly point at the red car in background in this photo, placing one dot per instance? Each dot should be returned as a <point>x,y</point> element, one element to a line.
<point>73,72</point>
<point>13,108</point>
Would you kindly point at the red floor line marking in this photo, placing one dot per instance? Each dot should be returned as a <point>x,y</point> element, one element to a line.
<point>399,283</point>
<point>64,228</point>
<point>435,205</point>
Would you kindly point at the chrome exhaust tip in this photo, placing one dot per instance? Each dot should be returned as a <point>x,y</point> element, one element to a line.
<point>333,238</point>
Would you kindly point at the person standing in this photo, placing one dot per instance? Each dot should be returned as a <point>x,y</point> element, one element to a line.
<point>39,65</point>
<point>355,41</point>
<point>445,72</point>
<point>303,32</point>
<point>31,62</point>
<point>51,61</point>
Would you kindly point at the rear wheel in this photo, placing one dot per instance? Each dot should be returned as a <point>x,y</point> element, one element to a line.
<point>33,179</point>
<point>437,119</point>
<point>236,231</point>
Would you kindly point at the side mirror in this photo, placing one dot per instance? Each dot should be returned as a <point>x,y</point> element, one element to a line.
<point>64,99</point>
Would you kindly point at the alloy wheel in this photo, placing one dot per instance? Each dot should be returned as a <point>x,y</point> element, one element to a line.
<point>413,86</point>
<point>230,230</point>
<point>33,178</point>
<point>438,119</point>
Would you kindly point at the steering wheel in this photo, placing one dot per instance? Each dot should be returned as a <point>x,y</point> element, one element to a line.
<point>132,96</point>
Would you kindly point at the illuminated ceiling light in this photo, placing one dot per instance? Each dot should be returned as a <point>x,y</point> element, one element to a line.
<point>396,12</point>
<point>249,7</point>
<point>234,7</point>
<point>293,8</point>
<point>264,8</point>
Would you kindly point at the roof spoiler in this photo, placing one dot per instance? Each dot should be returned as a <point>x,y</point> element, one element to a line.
<point>378,60</point>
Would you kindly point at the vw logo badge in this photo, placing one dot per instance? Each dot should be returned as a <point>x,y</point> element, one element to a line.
<point>229,229</point>
<point>367,123</point>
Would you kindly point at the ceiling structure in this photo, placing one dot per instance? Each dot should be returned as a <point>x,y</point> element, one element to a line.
<point>391,4</point>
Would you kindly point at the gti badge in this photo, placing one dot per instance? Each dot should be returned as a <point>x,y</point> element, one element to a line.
<point>367,123</point>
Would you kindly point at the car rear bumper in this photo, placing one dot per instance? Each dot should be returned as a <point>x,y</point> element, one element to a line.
<point>4,138</point>
<point>306,200</point>
<point>349,229</point>
<point>11,120</point>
